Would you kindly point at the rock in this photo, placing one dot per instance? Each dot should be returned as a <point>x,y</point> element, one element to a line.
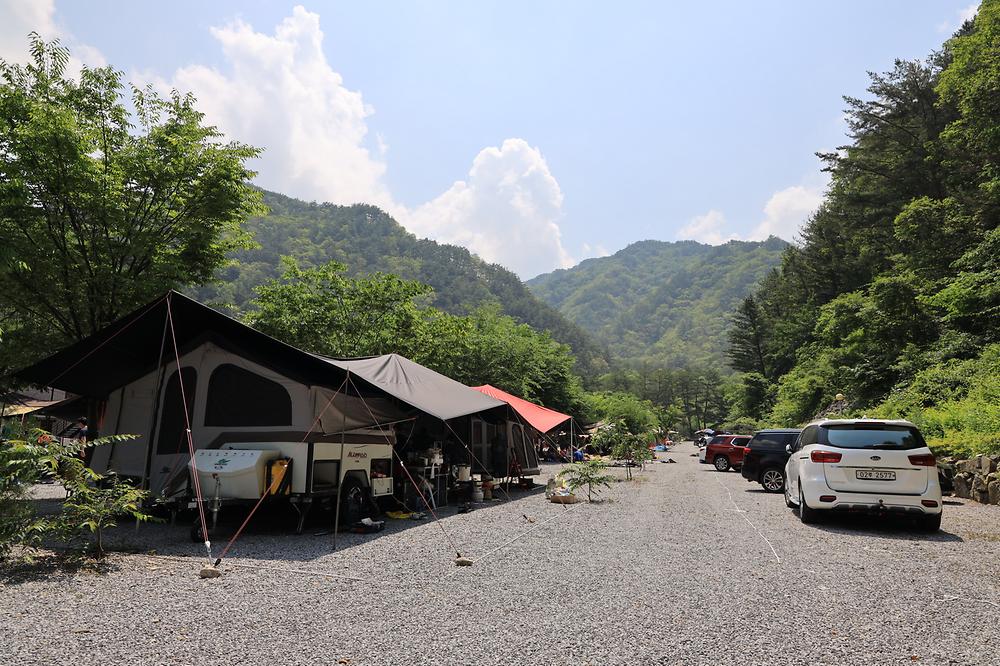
<point>980,492</point>
<point>962,485</point>
<point>463,562</point>
<point>209,572</point>
<point>946,474</point>
<point>967,466</point>
<point>994,491</point>
<point>986,465</point>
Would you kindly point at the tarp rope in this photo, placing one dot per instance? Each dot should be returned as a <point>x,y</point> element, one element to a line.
<point>190,440</point>
<point>416,487</point>
<point>266,492</point>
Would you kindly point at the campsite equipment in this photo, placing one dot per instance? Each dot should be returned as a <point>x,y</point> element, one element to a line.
<point>463,473</point>
<point>241,473</point>
<point>237,474</point>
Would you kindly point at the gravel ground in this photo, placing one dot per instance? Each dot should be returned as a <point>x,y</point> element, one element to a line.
<point>676,568</point>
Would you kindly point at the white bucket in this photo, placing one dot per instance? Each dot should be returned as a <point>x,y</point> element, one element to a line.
<point>464,472</point>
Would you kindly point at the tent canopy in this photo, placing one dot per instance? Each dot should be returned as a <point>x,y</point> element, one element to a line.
<point>420,387</point>
<point>540,418</point>
<point>132,346</point>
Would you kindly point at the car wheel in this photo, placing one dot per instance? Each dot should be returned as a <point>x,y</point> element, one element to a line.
<point>806,515</point>
<point>930,523</point>
<point>721,463</point>
<point>773,480</point>
<point>788,499</point>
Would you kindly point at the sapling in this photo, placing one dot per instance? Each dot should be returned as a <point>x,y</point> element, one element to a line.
<point>590,473</point>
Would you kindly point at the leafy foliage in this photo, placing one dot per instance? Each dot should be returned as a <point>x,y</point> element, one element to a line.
<point>102,209</point>
<point>367,241</point>
<point>94,502</point>
<point>590,474</point>
<point>324,311</point>
<point>683,399</point>
<point>892,296</point>
<point>662,303</point>
<point>624,445</point>
<point>625,412</point>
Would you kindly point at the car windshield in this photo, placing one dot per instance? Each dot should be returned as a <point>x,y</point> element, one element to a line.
<point>718,439</point>
<point>874,436</point>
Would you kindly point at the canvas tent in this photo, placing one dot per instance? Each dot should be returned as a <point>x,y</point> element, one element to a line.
<point>540,418</point>
<point>234,379</point>
<point>488,439</point>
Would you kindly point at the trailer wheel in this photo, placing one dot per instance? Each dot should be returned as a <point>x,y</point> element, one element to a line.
<point>196,535</point>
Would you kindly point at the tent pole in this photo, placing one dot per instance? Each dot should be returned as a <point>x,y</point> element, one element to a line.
<point>340,467</point>
<point>148,463</point>
<point>572,442</point>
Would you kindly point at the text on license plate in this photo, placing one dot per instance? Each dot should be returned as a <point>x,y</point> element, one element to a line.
<point>875,474</point>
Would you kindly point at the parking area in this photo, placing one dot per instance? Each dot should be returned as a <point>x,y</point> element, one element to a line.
<point>686,565</point>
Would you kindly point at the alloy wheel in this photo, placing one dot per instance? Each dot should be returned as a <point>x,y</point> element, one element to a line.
<point>772,480</point>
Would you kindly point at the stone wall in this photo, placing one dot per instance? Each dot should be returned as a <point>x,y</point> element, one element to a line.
<point>976,478</point>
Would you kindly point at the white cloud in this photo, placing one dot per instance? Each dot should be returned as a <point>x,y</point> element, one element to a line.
<point>507,211</point>
<point>707,228</point>
<point>784,215</point>
<point>588,251</point>
<point>786,211</point>
<point>20,17</point>
<point>963,15</point>
<point>280,93</point>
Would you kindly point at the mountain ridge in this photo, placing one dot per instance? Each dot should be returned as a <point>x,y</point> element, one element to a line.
<point>367,239</point>
<point>665,302</point>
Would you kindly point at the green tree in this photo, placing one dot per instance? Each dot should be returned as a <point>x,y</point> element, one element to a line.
<point>629,447</point>
<point>589,474</point>
<point>102,209</point>
<point>327,313</point>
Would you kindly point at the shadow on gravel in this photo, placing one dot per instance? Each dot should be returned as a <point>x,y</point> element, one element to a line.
<point>272,531</point>
<point>52,566</point>
<point>891,528</point>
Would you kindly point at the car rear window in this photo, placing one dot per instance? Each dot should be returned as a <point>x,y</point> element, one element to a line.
<point>874,436</point>
<point>773,441</point>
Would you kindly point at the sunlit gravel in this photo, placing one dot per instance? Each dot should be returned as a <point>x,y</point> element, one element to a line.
<point>674,568</point>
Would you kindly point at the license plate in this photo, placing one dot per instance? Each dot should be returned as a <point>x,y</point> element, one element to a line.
<point>875,474</point>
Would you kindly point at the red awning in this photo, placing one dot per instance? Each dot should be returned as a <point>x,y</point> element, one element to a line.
<point>540,418</point>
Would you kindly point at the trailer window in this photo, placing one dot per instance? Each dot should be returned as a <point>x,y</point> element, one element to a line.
<point>238,397</point>
<point>171,437</point>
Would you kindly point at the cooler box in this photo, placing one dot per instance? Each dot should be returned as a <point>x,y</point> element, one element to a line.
<point>240,472</point>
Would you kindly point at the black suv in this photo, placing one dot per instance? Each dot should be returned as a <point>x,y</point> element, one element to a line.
<point>765,458</point>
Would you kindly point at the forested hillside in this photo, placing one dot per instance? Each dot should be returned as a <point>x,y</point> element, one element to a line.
<point>367,240</point>
<point>894,296</point>
<point>667,304</point>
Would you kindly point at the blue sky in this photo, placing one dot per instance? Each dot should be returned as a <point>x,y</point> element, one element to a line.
<point>535,133</point>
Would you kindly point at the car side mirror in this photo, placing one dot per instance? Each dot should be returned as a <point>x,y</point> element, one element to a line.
<point>788,448</point>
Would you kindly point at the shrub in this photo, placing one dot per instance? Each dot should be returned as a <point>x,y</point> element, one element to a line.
<point>590,473</point>
<point>90,508</point>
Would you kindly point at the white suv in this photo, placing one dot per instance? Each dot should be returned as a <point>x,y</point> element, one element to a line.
<point>863,465</point>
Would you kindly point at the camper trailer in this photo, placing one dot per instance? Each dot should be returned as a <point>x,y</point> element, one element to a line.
<point>348,474</point>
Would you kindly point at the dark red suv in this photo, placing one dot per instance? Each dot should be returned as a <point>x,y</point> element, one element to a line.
<point>726,451</point>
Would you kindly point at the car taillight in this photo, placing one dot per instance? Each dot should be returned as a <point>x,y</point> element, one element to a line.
<point>825,457</point>
<point>923,460</point>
